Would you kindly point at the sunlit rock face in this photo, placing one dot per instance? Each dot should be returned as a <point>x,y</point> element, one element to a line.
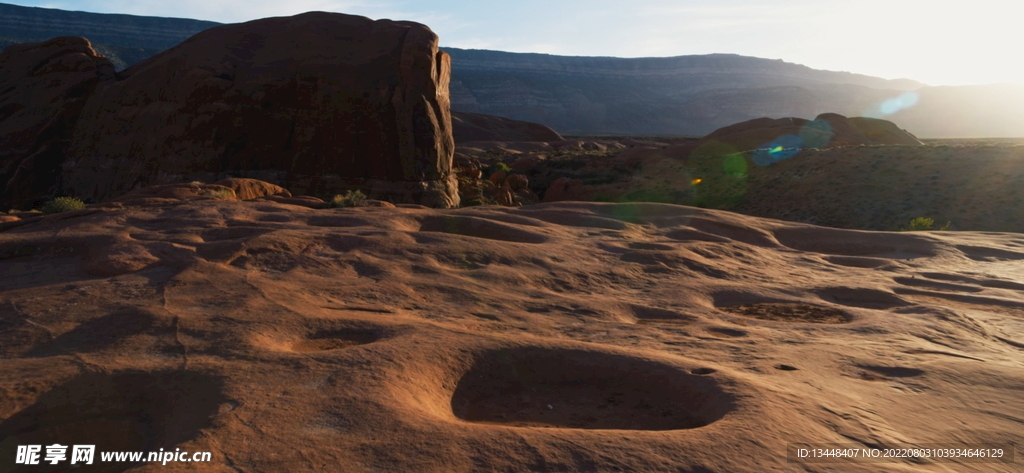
<point>318,102</point>
<point>43,87</point>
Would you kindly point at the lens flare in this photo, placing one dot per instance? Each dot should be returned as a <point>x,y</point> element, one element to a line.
<point>893,105</point>
<point>783,147</point>
<point>735,165</point>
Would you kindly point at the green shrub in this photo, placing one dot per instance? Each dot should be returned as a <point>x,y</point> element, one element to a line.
<point>350,199</point>
<point>921,224</point>
<point>62,204</point>
<point>498,166</point>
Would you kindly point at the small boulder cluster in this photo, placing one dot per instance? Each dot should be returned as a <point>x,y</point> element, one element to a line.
<point>502,185</point>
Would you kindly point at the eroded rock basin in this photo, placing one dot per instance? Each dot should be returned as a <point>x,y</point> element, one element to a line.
<point>541,387</point>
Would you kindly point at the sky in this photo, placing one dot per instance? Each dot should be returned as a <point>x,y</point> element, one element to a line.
<point>935,42</point>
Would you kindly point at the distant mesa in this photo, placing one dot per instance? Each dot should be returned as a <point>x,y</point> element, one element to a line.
<point>783,137</point>
<point>667,96</point>
<point>469,127</point>
<point>317,103</point>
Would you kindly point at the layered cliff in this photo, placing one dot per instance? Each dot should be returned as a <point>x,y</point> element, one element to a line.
<point>685,95</point>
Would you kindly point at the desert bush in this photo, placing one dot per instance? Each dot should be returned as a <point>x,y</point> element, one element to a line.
<point>350,199</point>
<point>921,224</point>
<point>498,166</point>
<point>62,204</point>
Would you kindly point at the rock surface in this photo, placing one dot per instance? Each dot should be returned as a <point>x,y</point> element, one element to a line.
<point>329,100</point>
<point>476,127</point>
<point>571,336</point>
<point>248,189</point>
<point>43,87</point>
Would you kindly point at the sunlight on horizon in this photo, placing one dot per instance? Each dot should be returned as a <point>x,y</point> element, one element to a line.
<point>893,39</point>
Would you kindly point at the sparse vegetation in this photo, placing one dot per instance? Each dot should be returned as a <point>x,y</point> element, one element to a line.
<point>62,204</point>
<point>498,166</point>
<point>350,199</point>
<point>921,224</point>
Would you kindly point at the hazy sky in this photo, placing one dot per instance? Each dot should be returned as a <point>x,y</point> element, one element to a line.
<point>936,42</point>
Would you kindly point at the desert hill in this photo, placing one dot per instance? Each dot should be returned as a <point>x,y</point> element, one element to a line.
<point>973,185</point>
<point>680,96</point>
<point>828,130</point>
<point>694,95</point>
<point>589,337</point>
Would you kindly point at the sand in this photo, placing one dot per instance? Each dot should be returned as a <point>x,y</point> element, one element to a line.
<point>556,337</point>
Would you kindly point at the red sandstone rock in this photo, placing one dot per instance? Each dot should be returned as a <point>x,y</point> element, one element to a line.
<point>375,203</point>
<point>247,189</point>
<point>497,177</point>
<point>525,196</point>
<point>505,196</point>
<point>517,181</point>
<point>564,188</point>
<point>43,87</point>
<point>317,94</point>
<point>302,200</point>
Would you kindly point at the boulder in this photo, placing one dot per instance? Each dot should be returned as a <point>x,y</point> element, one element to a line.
<point>564,188</point>
<point>468,127</point>
<point>517,181</point>
<point>43,87</point>
<point>321,97</point>
<point>498,177</point>
<point>247,189</point>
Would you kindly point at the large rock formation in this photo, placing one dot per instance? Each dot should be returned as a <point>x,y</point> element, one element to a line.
<point>317,102</point>
<point>477,127</point>
<point>43,87</point>
<point>790,134</point>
